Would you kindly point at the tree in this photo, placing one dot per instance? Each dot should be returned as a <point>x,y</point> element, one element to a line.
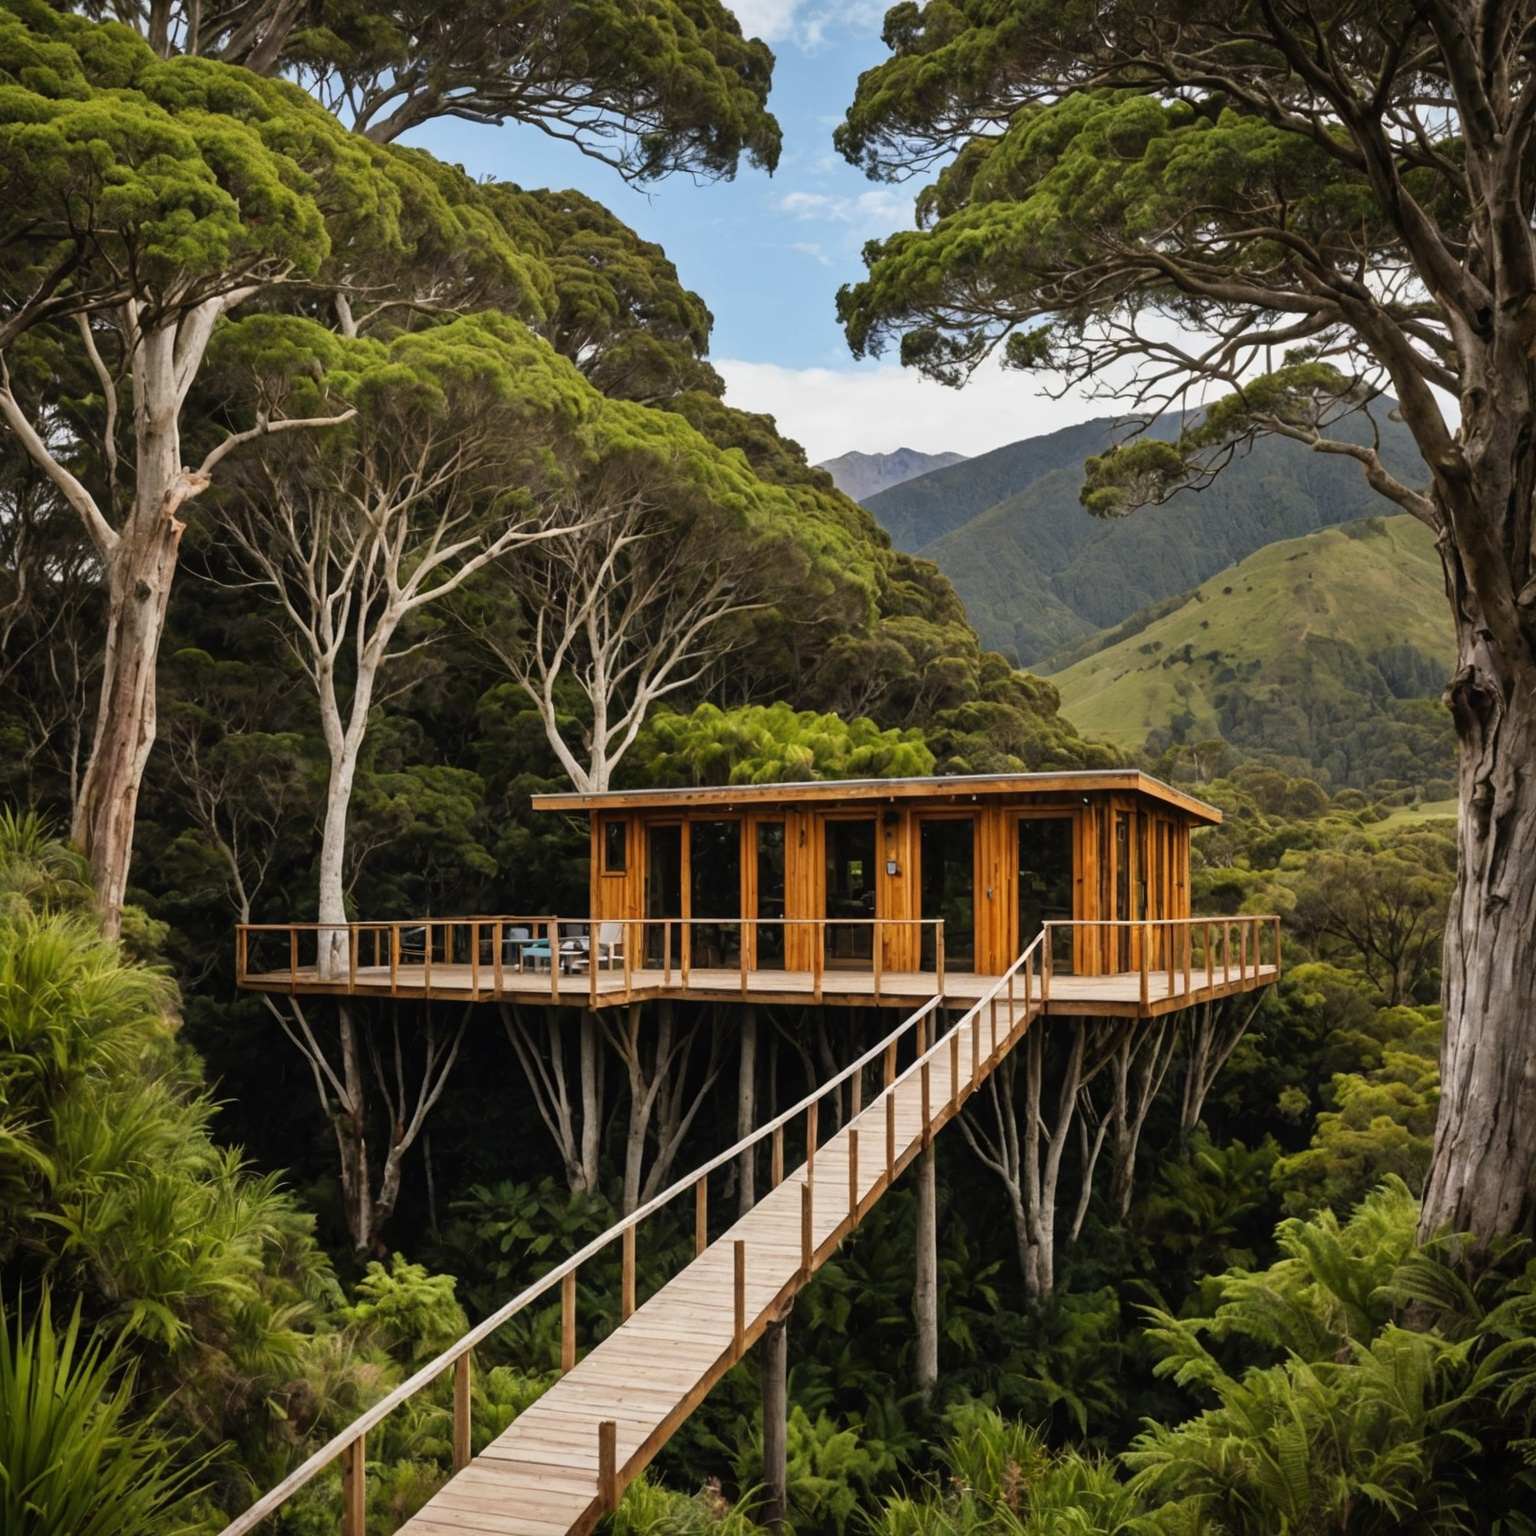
<point>647,86</point>
<point>148,201</point>
<point>1297,209</point>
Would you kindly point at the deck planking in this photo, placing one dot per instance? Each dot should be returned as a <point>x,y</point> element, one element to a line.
<point>540,1476</point>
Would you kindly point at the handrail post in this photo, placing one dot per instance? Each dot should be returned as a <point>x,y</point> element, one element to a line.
<point>684,952</point>
<point>890,1137</point>
<point>741,951</point>
<point>1210,961</point>
<point>875,956</point>
<point>1277,948</point>
<point>426,947</point>
<point>807,1245</point>
<point>629,963</point>
<point>293,957</point>
<point>666,951</point>
<point>976,1042</point>
<point>394,956</point>
<point>739,1255</point>
<point>1189,957</point>
<point>552,928</point>
<point>607,1464</point>
<point>927,1105</point>
<point>568,1322</point>
<point>1145,958</point>
<point>352,956</point>
<point>627,1276</point>
<point>853,1175</point>
<point>954,1068</point>
<point>776,1157</point>
<point>474,958</point>
<point>1046,950</point>
<point>939,952</point>
<point>811,1134</point>
<point>890,1063</point>
<point>354,1489</point>
<point>818,957</point>
<point>461,1411</point>
<point>1226,952</point>
<point>498,959</point>
<point>701,1216</point>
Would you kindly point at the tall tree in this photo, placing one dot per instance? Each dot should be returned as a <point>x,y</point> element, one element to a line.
<point>1297,207</point>
<point>146,202</point>
<point>648,86</point>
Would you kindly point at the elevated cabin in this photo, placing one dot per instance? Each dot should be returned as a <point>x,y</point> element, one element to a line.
<point>849,865</point>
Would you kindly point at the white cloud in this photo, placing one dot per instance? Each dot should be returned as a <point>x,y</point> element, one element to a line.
<point>880,208</point>
<point>812,249</point>
<point>807,26</point>
<point>831,410</point>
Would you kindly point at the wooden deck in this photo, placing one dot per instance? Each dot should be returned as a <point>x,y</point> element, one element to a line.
<point>545,1475</point>
<point>1112,995</point>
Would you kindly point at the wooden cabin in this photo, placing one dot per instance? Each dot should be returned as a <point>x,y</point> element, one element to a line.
<point>848,864</point>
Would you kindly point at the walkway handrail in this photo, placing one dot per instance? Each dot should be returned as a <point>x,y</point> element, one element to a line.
<point>339,1443</point>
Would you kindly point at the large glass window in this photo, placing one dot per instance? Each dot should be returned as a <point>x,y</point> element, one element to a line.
<point>615,845</point>
<point>1045,879</point>
<point>850,893</point>
<point>947,849</point>
<point>770,894</point>
<point>714,861</point>
<point>663,892</point>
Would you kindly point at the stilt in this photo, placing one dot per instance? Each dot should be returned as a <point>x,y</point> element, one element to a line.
<point>925,1290</point>
<point>775,1371</point>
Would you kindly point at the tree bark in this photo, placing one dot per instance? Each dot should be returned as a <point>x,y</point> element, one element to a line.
<point>925,1289</point>
<point>775,1358</point>
<point>1482,1178</point>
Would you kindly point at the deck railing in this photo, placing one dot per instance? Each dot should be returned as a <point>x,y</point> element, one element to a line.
<point>490,949</point>
<point>1024,983</point>
<point>1197,954</point>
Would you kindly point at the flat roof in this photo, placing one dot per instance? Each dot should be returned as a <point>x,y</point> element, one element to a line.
<point>958,785</point>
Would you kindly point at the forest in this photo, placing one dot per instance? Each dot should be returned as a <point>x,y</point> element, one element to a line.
<point>348,501</point>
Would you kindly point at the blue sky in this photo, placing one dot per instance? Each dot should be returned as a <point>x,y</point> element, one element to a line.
<point>769,253</point>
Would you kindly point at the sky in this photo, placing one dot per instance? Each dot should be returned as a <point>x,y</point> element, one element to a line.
<point>768,254</point>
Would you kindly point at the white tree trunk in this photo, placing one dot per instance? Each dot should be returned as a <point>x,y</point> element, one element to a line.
<point>925,1289</point>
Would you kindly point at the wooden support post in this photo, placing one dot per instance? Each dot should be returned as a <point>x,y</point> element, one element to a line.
<point>856,1094</point>
<point>976,1049</point>
<point>552,928</point>
<point>1146,957</point>
<point>775,1355</point>
<point>1277,946</point>
<point>739,1293</point>
<point>352,955</point>
<point>1210,961</point>
<point>426,961</point>
<point>853,1175</point>
<point>608,1464</point>
<point>954,1068</point>
<point>1046,962</point>
<point>394,955</point>
<point>1189,957</point>
<point>461,1411</point>
<point>807,1243</point>
<point>568,1322</point>
<point>1226,953</point>
<point>925,1289</point>
<point>701,1216</point>
<point>741,951</point>
<point>938,946</point>
<point>293,955</point>
<point>498,955</point>
<point>354,1489</point>
<point>666,952</point>
<point>818,957</point>
<point>776,1156</point>
<point>1243,930</point>
<point>474,957</point>
<point>890,1063</point>
<point>890,1137</point>
<point>684,952</point>
<point>627,1277</point>
<point>927,1107</point>
<point>811,1133</point>
<point>993,1051</point>
<point>876,957</point>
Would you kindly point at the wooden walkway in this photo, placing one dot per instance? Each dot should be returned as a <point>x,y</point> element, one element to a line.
<point>546,1474</point>
<point>1116,994</point>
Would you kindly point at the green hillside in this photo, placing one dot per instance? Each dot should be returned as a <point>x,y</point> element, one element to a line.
<point>1037,573</point>
<point>1327,651</point>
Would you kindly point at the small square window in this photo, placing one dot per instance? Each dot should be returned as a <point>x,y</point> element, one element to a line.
<point>615,847</point>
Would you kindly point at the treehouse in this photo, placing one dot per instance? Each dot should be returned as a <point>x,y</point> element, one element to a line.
<point>871,891</point>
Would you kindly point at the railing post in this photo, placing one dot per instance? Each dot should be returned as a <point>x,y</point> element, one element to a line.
<point>426,949</point>
<point>1244,928</point>
<point>568,1322</point>
<point>629,961</point>
<point>890,1063</point>
<point>1226,953</point>
<point>627,1276</point>
<point>394,955</point>
<point>293,956</point>
<point>853,1175</point>
<point>354,1489</point>
<point>741,951</point>
<point>1145,957</point>
<point>474,958</point>
<point>878,946</point>
<point>684,952</point>
<point>740,1296</point>
<point>701,1216</point>
<point>461,1411</point>
<point>993,1012</point>
<point>927,1110</point>
<point>242,951</point>
<point>938,946</point>
<point>498,960</point>
<point>807,1245</point>
<point>608,1464</point>
<point>818,957</point>
<point>776,1160</point>
<point>1210,961</point>
<point>890,1136</point>
<point>811,1118</point>
<point>666,952</point>
<point>1046,948</point>
<point>1277,947</point>
<point>954,1068</point>
<point>552,929</point>
<point>976,1042</point>
<point>1189,957</point>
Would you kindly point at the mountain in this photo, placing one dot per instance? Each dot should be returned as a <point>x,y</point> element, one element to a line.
<point>1037,573</point>
<point>861,475</point>
<point>1329,651</point>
